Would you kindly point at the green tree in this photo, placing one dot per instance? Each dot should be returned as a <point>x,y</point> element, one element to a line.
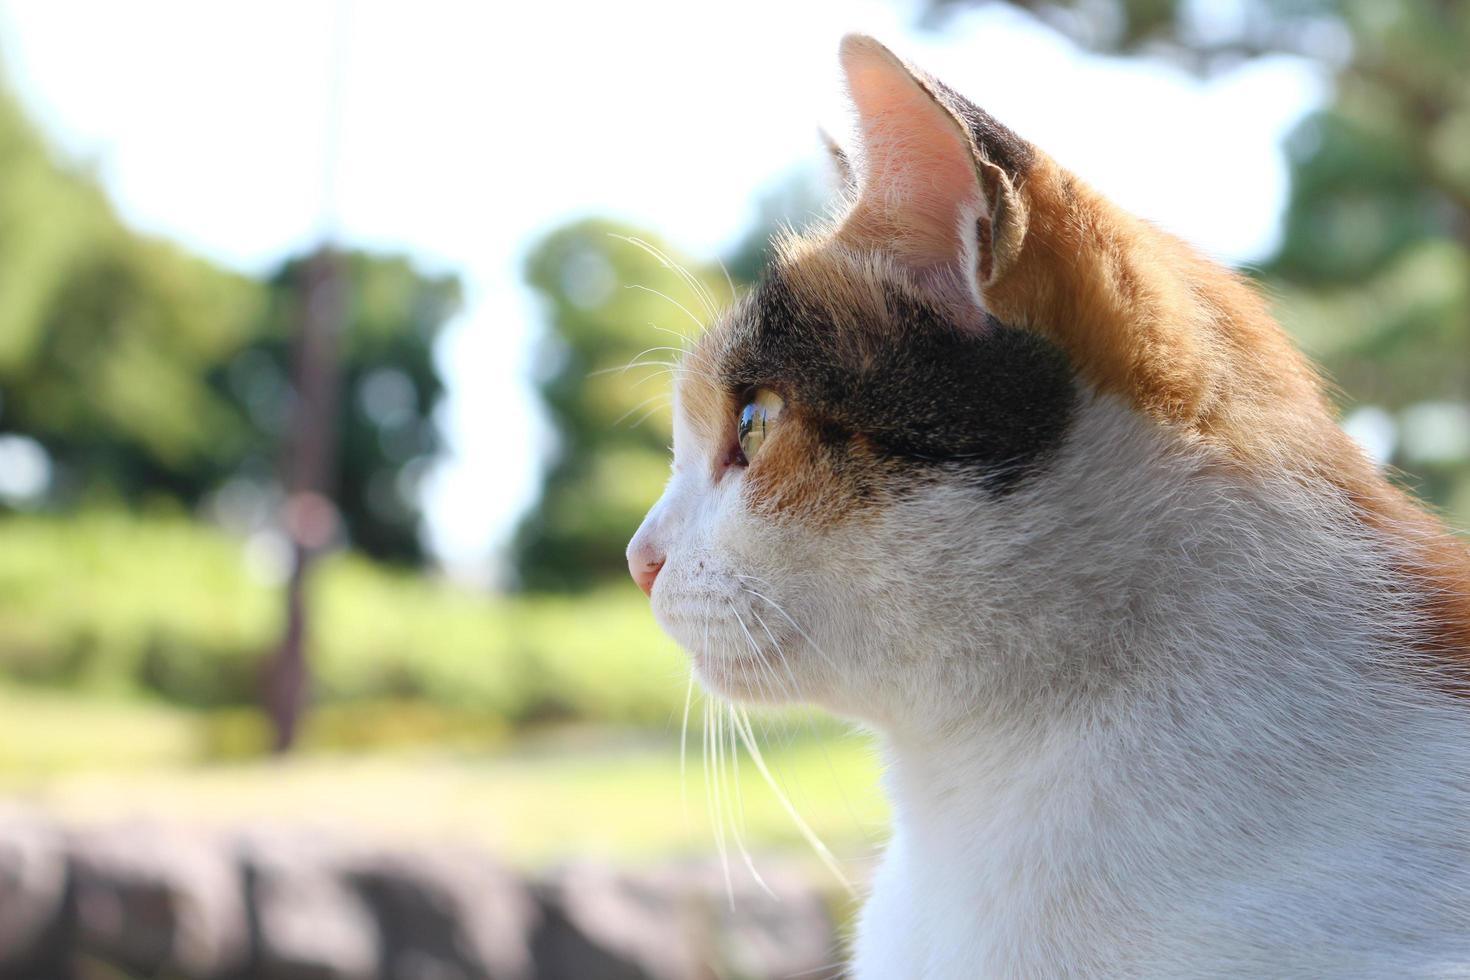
<point>107,337</point>
<point>144,371</point>
<point>388,390</point>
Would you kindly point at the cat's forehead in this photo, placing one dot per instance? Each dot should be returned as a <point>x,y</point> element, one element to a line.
<point>806,298</point>
<point>814,318</point>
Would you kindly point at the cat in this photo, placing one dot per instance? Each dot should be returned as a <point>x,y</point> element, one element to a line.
<point>1168,679</point>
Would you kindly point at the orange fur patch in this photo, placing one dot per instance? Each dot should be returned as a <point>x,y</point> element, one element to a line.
<point>1145,317</point>
<point>793,478</point>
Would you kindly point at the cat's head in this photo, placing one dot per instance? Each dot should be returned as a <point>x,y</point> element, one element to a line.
<point>950,433</point>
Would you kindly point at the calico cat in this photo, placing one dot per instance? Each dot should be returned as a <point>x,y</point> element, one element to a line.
<point>1170,681</point>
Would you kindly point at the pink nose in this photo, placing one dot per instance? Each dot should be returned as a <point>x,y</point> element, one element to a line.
<point>644,568</point>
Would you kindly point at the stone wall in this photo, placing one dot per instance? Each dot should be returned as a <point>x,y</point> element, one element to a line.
<point>145,900</point>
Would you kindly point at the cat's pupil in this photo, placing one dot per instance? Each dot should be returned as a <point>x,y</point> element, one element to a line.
<point>755,418</point>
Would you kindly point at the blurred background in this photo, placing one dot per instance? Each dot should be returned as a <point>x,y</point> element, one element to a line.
<point>320,443</point>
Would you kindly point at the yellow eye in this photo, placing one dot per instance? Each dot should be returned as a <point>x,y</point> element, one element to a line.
<point>756,418</point>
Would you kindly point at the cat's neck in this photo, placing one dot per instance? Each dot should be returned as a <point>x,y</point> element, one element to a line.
<point>1242,699</point>
<point>1123,833</point>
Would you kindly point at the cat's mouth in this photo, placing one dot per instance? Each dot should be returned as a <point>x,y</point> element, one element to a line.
<point>746,676</point>
<point>737,651</point>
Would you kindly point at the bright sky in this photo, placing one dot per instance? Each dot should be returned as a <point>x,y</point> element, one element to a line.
<point>465,130</point>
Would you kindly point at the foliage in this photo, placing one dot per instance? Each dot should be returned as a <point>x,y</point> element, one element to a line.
<point>388,389</point>
<point>169,609</point>
<point>107,336</point>
<point>145,372</point>
<point>618,312</point>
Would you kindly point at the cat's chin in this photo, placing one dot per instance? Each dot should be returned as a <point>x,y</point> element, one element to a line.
<point>741,678</point>
<point>726,656</point>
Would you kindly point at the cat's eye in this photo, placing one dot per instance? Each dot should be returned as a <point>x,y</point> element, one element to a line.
<point>756,419</point>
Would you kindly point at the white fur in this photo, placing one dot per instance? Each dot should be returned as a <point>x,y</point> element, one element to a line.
<point>1145,716</point>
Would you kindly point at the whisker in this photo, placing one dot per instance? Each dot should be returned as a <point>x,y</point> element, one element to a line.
<point>737,820</point>
<point>770,683</point>
<point>630,366</point>
<point>755,647</point>
<point>735,756</point>
<point>712,798</point>
<point>725,271</point>
<point>831,769</point>
<point>787,616</point>
<point>633,361</point>
<point>741,722</point>
<point>765,676</point>
<point>671,369</point>
<point>651,413</point>
<point>665,296</point>
<point>748,737</point>
<point>644,402</point>
<point>795,686</point>
<point>700,291</point>
<point>684,742</point>
<point>687,344</point>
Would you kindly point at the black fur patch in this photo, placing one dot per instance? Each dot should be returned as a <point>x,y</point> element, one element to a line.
<point>996,402</point>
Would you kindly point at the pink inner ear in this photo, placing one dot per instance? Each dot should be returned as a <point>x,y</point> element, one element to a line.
<point>918,185</point>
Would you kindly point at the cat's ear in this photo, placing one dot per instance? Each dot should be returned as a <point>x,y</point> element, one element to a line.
<point>936,176</point>
<point>841,164</point>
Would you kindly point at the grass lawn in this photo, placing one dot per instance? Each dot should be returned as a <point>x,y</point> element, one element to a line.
<point>162,607</point>
<point>572,791</point>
